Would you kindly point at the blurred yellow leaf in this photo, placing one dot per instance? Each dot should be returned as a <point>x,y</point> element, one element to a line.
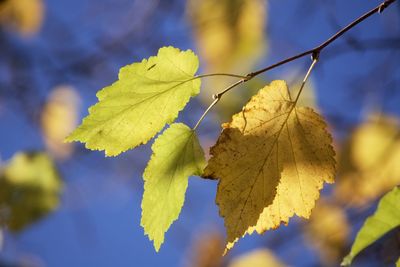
<point>328,231</point>
<point>29,189</point>
<point>227,31</point>
<point>257,258</point>
<point>207,250</point>
<point>24,16</point>
<point>369,163</point>
<point>271,161</point>
<point>59,118</point>
<point>230,37</point>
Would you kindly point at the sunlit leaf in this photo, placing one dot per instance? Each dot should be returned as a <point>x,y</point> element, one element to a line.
<point>271,159</point>
<point>29,189</point>
<point>328,231</point>
<point>257,258</point>
<point>369,164</point>
<point>177,155</point>
<point>59,117</point>
<point>25,16</point>
<point>385,218</point>
<point>147,95</point>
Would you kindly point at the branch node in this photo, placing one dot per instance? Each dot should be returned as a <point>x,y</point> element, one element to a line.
<point>315,55</point>
<point>384,5</point>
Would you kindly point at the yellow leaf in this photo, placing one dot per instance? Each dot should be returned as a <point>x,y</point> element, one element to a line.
<point>206,250</point>
<point>25,16</point>
<point>230,37</point>
<point>257,258</point>
<point>328,232</point>
<point>271,159</point>
<point>59,117</point>
<point>227,31</point>
<point>369,163</point>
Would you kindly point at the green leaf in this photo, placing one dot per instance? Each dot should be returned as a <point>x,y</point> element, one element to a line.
<point>398,263</point>
<point>385,218</point>
<point>30,188</point>
<point>177,154</point>
<point>147,95</point>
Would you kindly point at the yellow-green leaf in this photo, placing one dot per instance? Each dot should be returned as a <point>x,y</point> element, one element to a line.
<point>271,161</point>
<point>385,218</point>
<point>177,155</point>
<point>147,95</point>
<point>29,189</point>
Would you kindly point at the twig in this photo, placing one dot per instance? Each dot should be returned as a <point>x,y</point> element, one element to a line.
<point>315,52</point>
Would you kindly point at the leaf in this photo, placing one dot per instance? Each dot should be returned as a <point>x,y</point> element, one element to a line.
<point>30,188</point>
<point>221,31</point>
<point>147,95</point>
<point>398,263</point>
<point>328,231</point>
<point>177,154</point>
<point>207,249</point>
<point>25,16</point>
<point>271,159</point>
<point>225,44</point>
<point>385,218</point>
<point>257,258</point>
<point>59,117</point>
<point>368,164</point>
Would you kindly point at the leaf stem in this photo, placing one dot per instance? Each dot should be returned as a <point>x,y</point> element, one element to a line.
<point>205,113</point>
<point>216,98</point>
<point>315,60</point>
<point>315,52</point>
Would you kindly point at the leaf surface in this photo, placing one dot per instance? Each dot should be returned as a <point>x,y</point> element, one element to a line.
<point>385,218</point>
<point>147,95</point>
<point>271,159</point>
<point>177,155</point>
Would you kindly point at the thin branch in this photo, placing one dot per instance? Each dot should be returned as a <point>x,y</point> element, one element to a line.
<point>315,52</point>
<point>318,49</point>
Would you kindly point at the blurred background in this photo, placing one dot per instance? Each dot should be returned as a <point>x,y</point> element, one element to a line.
<point>62,205</point>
